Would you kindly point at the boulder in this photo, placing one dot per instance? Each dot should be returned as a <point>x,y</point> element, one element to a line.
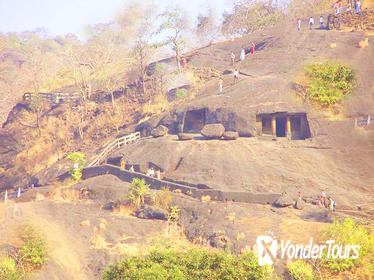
<point>284,200</point>
<point>160,131</point>
<point>300,204</point>
<point>213,131</point>
<point>220,240</point>
<point>230,135</point>
<point>185,136</point>
<point>151,212</point>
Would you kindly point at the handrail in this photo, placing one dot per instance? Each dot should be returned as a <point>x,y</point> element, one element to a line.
<point>115,144</point>
<point>362,123</point>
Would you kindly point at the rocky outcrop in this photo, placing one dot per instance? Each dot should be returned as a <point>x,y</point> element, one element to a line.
<point>220,240</point>
<point>151,212</point>
<point>160,131</point>
<point>284,200</point>
<point>213,131</point>
<point>300,204</point>
<point>185,136</point>
<point>230,135</point>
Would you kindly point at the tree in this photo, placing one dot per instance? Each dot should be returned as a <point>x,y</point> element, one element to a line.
<point>175,23</point>
<point>302,8</point>
<point>248,16</point>
<point>77,161</point>
<point>138,20</point>
<point>138,189</point>
<point>207,26</point>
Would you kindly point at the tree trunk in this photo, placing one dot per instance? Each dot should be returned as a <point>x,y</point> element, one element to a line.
<point>178,61</point>
<point>113,102</point>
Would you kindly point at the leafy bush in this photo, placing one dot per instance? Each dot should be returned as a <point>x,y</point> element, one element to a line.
<point>193,264</point>
<point>347,232</point>
<point>77,161</point>
<point>300,270</point>
<point>162,198</point>
<point>8,269</point>
<point>138,189</point>
<point>330,82</point>
<point>180,93</point>
<point>174,213</point>
<point>33,253</point>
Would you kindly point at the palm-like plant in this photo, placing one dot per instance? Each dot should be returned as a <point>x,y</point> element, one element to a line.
<point>138,190</point>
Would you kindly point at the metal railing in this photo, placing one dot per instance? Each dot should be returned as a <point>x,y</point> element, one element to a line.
<point>364,122</point>
<point>115,144</point>
<point>54,97</point>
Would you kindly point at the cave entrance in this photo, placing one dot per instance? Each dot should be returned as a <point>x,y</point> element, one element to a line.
<point>281,126</point>
<point>284,124</point>
<point>194,121</point>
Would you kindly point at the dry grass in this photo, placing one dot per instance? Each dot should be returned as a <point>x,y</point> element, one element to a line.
<point>123,211</point>
<point>63,192</point>
<point>158,105</point>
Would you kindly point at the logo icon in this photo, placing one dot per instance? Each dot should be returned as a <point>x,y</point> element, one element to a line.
<point>267,249</point>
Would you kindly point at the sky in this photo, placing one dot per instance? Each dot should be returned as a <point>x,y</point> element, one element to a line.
<point>60,17</point>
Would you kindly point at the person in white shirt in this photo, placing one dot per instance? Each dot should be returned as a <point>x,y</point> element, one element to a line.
<point>311,22</point>
<point>236,76</point>
<point>320,21</point>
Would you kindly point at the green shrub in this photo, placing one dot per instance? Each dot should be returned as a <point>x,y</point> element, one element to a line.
<point>162,198</point>
<point>33,253</point>
<point>77,161</point>
<point>180,93</point>
<point>347,232</point>
<point>174,213</point>
<point>194,264</point>
<point>300,270</point>
<point>8,269</point>
<point>138,189</point>
<point>330,82</point>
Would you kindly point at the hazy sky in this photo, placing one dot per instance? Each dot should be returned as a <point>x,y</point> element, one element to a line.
<point>64,16</point>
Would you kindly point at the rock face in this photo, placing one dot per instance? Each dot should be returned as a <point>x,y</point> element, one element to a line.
<point>160,131</point>
<point>284,200</point>
<point>230,135</point>
<point>300,204</point>
<point>185,136</point>
<point>220,240</point>
<point>151,212</point>
<point>213,131</point>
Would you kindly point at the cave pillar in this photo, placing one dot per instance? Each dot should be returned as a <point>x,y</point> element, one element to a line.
<point>274,126</point>
<point>288,128</point>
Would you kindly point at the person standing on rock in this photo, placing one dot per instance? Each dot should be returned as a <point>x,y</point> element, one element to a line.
<point>321,22</point>
<point>323,195</point>
<point>236,76</point>
<point>232,58</point>
<point>358,6</point>
<point>123,163</point>
<point>158,174</point>
<point>220,85</point>
<point>311,22</point>
<point>253,48</point>
<point>298,24</point>
<point>242,55</point>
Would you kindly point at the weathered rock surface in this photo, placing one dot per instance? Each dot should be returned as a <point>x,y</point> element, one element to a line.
<point>300,204</point>
<point>160,131</point>
<point>284,200</point>
<point>230,135</point>
<point>185,136</point>
<point>220,240</point>
<point>213,131</point>
<point>151,212</point>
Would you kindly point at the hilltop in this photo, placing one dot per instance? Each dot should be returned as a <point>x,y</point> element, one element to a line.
<point>329,154</point>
